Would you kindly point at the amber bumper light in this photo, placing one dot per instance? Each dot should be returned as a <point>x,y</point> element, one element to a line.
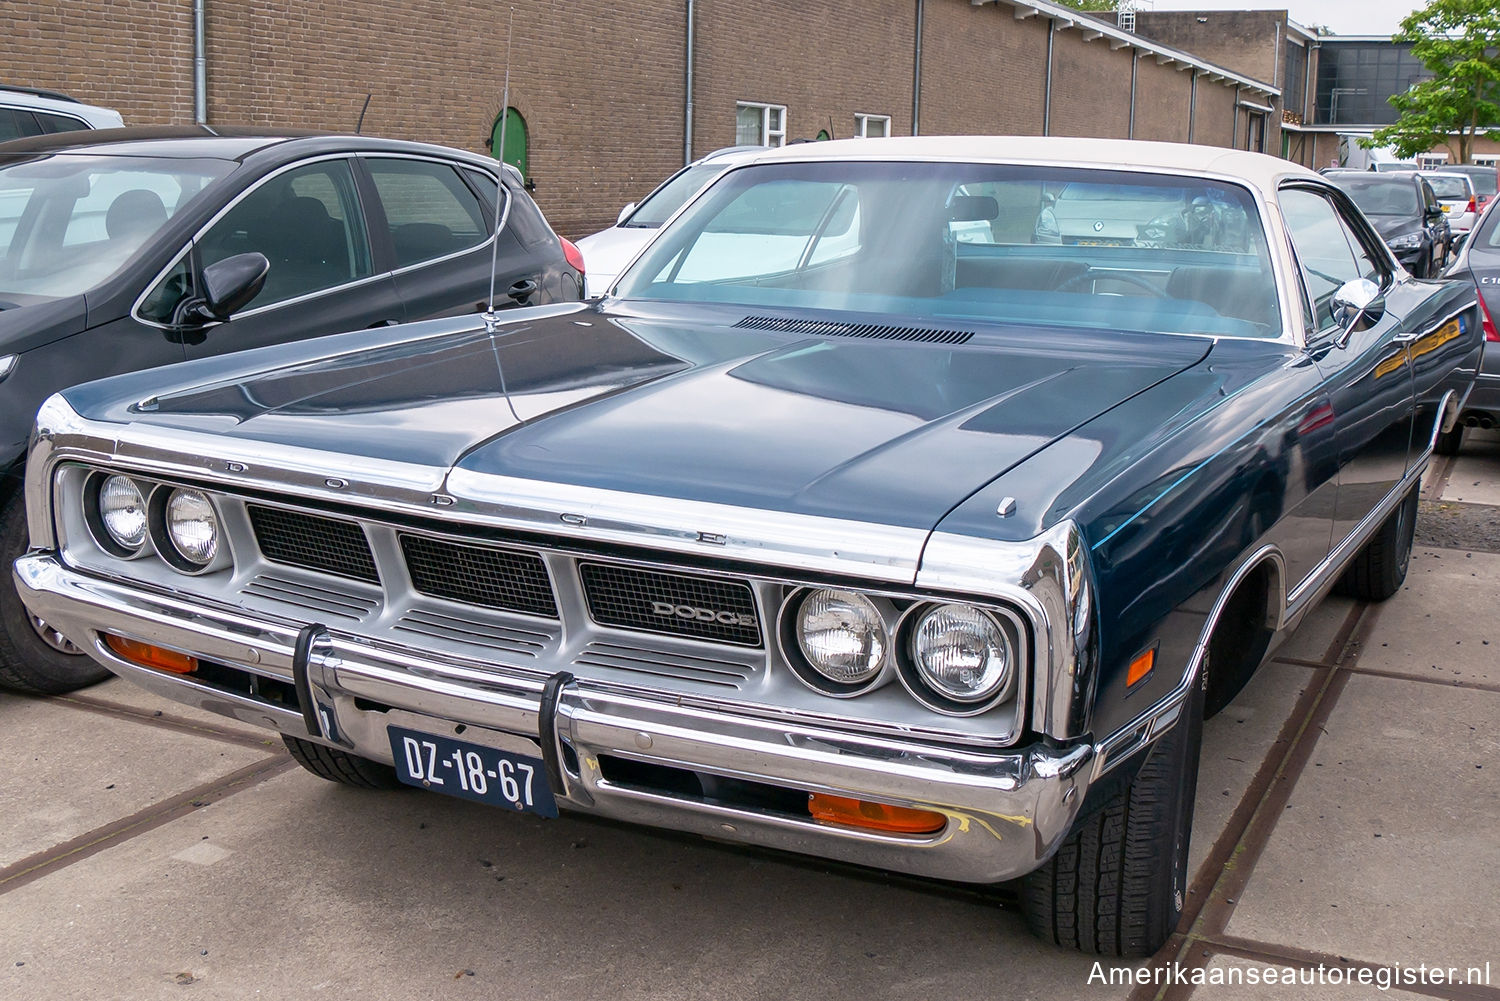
<point>873,816</point>
<point>147,655</point>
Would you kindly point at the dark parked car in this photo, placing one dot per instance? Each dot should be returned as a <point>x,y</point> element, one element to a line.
<point>1479,262</point>
<point>132,248</point>
<point>1406,213</point>
<point>827,531</point>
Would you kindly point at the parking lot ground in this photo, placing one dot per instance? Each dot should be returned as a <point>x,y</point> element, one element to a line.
<point>1348,803</point>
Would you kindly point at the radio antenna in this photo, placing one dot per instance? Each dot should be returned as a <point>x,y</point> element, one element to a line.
<point>490,319</point>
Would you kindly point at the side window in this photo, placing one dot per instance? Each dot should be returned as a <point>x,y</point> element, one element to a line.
<point>15,123</point>
<point>1324,249</point>
<point>430,210</point>
<point>307,222</point>
<point>58,123</point>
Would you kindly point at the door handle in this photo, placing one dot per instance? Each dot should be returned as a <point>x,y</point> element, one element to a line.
<point>383,323</point>
<point>1406,337</point>
<point>522,290</point>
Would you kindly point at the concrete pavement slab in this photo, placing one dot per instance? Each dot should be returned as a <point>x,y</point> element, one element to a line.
<point>119,692</point>
<point>296,888</point>
<point>1387,849</point>
<point>1442,625</point>
<point>1318,630</point>
<point>71,771</point>
<point>1235,742</point>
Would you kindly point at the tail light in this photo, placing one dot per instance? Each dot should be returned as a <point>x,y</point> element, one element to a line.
<point>1490,333</point>
<point>1473,206</point>
<point>572,253</point>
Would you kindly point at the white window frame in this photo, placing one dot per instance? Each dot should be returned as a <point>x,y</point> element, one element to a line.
<point>1432,161</point>
<point>767,136</point>
<point>1486,159</point>
<point>862,124</point>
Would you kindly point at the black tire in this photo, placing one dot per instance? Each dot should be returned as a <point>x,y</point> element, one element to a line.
<point>28,662</point>
<point>1117,885</point>
<point>1449,442</point>
<point>1379,569</point>
<point>341,766</point>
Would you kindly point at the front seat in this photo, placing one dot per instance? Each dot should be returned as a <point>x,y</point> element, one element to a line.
<point>136,214</point>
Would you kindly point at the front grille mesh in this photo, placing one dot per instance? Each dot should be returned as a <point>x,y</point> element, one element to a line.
<point>479,575</point>
<point>327,545</point>
<point>702,607</point>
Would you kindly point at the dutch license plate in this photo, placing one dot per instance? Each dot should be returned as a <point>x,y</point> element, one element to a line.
<point>1447,208</point>
<point>472,771</point>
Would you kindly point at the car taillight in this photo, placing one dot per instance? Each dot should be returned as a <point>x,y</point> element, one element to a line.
<point>1490,333</point>
<point>1473,207</point>
<point>573,254</point>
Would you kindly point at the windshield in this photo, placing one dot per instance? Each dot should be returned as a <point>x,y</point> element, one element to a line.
<point>1380,196</point>
<point>661,203</point>
<point>936,241</point>
<point>1450,188</point>
<point>69,222</point>
<point>1483,178</point>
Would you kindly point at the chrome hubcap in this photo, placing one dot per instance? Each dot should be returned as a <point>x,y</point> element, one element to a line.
<point>53,638</point>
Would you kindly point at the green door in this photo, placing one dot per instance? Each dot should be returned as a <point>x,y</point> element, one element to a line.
<point>515,140</point>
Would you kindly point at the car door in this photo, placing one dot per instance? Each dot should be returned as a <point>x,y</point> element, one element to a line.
<point>437,230</point>
<point>309,222</point>
<point>1368,373</point>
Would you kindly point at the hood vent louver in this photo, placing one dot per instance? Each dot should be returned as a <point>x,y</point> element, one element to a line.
<point>875,331</point>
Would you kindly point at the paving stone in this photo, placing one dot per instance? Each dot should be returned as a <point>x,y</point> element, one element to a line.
<point>1442,624</point>
<point>1318,629</point>
<point>1235,742</point>
<point>70,771</point>
<point>1476,470</point>
<point>313,890</point>
<point>1387,850</point>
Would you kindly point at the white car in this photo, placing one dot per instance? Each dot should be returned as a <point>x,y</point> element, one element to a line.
<point>26,111</point>
<point>1456,193</point>
<point>608,251</point>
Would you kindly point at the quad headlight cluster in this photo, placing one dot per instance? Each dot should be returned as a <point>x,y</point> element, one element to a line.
<point>130,518</point>
<point>959,659</point>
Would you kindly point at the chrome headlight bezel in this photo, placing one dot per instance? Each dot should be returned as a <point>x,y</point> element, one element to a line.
<point>93,516</point>
<point>797,658</point>
<point>912,678</point>
<point>165,540</point>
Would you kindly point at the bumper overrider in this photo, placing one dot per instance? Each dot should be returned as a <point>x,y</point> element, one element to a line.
<point>1006,811</point>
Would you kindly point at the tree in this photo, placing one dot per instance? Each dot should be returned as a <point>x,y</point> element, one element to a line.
<point>1093,5</point>
<point>1459,42</point>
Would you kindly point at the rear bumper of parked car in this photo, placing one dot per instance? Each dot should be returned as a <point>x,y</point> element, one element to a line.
<point>1006,811</point>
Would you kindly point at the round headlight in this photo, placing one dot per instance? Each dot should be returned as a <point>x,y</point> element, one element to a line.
<point>842,636</point>
<point>122,510</point>
<point>192,526</point>
<point>962,653</point>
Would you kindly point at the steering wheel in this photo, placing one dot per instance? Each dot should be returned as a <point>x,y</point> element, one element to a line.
<point>1095,274</point>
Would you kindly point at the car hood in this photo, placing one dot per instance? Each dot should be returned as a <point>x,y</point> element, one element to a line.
<point>608,251</point>
<point>27,326</point>
<point>686,405</point>
<point>1392,226</point>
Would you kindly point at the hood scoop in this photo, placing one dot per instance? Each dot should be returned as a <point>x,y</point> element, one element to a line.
<point>829,328</point>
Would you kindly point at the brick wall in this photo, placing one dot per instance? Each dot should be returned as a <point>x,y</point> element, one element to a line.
<point>983,72</point>
<point>1162,96</point>
<point>142,66</point>
<point>1090,87</point>
<point>1214,118</point>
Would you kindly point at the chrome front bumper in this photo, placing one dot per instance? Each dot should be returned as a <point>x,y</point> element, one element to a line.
<point>1007,811</point>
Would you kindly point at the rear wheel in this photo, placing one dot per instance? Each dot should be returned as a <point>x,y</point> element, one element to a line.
<point>341,766</point>
<point>1380,568</point>
<point>34,657</point>
<point>1118,883</point>
<point>1448,442</point>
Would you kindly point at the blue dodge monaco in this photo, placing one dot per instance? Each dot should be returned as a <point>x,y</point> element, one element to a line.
<point>906,502</point>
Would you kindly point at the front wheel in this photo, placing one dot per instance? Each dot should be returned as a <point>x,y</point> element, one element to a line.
<point>34,657</point>
<point>1118,884</point>
<point>340,766</point>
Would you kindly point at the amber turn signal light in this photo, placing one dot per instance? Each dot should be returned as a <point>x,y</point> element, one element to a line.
<point>147,655</point>
<point>1140,668</point>
<point>873,816</point>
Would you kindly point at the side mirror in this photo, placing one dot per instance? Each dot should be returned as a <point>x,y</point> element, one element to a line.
<point>1355,302</point>
<point>624,213</point>
<point>228,285</point>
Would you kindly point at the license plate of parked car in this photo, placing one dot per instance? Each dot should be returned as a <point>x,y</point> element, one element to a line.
<point>472,771</point>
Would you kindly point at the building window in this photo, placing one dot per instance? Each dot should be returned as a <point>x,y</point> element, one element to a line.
<point>1431,161</point>
<point>760,124</point>
<point>1486,160</point>
<point>872,126</point>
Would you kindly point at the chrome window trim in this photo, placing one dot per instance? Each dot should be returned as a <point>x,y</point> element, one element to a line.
<point>135,309</point>
<point>1283,264</point>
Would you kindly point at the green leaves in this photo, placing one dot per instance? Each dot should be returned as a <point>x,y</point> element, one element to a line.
<point>1459,42</point>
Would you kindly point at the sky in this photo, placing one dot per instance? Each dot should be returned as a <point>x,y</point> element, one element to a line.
<point>1345,17</point>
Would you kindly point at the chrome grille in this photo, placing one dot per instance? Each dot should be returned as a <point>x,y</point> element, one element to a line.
<point>660,664</point>
<point>723,611</point>
<point>471,632</point>
<point>480,575</point>
<point>327,545</point>
<point>310,598</point>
